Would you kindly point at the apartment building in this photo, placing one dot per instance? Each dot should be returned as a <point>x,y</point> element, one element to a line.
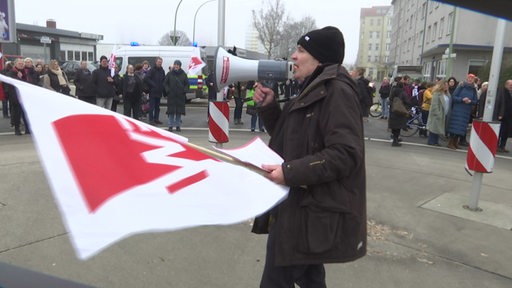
<point>375,41</point>
<point>422,32</point>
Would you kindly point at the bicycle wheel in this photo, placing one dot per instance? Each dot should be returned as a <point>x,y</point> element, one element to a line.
<point>376,110</point>
<point>411,128</point>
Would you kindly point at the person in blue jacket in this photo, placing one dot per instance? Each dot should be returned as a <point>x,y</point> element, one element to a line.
<point>464,98</point>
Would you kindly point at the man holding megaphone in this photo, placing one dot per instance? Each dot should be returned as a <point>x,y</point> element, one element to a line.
<point>319,134</point>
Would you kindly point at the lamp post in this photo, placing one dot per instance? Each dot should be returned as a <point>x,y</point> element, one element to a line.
<point>195,15</point>
<point>175,16</point>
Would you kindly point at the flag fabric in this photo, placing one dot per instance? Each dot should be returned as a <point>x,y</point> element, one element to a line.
<point>112,62</point>
<point>196,63</point>
<point>113,176</point>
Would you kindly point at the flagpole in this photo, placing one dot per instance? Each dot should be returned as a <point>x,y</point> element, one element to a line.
<point>227,158</point>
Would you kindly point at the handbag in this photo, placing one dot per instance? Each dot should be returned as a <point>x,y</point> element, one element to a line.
<point>251,110</point>
<point>398,107</point>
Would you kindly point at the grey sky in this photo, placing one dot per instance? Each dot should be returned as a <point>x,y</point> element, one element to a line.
<point>146,21</point>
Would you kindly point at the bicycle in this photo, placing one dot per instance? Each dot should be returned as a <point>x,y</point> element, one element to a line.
<point>414,124</point>
<point>376,109</point>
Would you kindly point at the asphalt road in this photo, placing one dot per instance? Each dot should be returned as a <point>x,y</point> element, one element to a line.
<point>419,234</point>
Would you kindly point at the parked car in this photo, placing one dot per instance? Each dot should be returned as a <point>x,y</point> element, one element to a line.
<point>70,67</point>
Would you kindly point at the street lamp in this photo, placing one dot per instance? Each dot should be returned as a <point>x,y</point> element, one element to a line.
<point>175,16</point>
<point>195,15</point>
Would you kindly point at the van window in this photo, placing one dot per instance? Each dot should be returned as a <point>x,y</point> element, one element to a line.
<point>138,60</point>
<point>119,62</point>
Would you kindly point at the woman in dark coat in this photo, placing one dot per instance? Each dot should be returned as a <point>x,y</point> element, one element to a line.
<point>132,93</point>
<point>397,121</point>
<point>464,98</point>
<point>176,86</point>
<point>319,134</point>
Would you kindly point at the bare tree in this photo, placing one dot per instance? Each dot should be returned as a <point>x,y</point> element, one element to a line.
<point>292,31</point>
<point>269,23</point>
<point>167,38</point>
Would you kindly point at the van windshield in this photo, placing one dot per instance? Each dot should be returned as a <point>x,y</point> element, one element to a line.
<point>119,62</point>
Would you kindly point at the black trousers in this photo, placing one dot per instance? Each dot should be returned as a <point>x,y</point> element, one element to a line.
<point>306,276</point>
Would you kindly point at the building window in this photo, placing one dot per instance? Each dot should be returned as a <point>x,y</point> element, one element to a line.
<point>370,47</point>
<point>90,56</point>
<point>423,9</point>
<point>377,47</point>
<point>434,30</point>
<point>377,35</point>
<point>429,31</point>
<point>475,65</point>
<point>420,39</point>
<point>77,55</point>
<point>441,28</point>
<point>441,69</point>
<point>371,22</point>
<point>387,46</point>
<point>62,55</point>
<point>378,22</point>
<point>449,27</point>
<point>369,58</point>
<point>84,56</point>
<point>70,55</point>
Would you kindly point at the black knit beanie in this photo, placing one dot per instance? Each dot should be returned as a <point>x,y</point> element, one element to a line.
<point>326,45</point>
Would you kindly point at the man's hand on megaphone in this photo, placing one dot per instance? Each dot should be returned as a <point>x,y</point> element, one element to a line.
<point>263,95</point>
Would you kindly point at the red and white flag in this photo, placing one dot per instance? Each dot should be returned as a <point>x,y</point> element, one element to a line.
<point>113,176</point>
<point>196,63</point>
<point>112,62</point>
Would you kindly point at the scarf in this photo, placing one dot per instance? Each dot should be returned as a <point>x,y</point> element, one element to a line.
<point>60,76</point>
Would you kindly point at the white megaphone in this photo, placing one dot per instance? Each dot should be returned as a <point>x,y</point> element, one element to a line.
<point>230,69</point>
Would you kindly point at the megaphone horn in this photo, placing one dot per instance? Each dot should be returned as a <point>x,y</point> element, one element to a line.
<point>230,69</point>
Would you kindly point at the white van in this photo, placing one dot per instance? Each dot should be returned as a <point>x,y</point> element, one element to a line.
<point>138,54</point>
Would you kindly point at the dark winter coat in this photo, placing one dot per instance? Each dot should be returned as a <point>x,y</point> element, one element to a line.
<point>398,121</point>
<point>365,97</point>
<point>100,85</point>
<point>176,86</point>
<point>32,75</point>
<point>319,134</point>
<point>53,83</point>
<point>155,81</point>
<point>384,91</point>
<point>504,108</point>
<point>131,88</point>
<point>83,79</point>
<point>461,112</point>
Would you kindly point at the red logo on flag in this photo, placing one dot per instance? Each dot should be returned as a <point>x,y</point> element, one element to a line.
<point>194,62</point>
<point>106,161</point>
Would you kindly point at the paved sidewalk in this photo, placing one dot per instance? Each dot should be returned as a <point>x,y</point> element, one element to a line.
<point>419,234</point>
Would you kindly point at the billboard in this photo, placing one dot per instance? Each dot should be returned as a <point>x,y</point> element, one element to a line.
<point>7,21</point>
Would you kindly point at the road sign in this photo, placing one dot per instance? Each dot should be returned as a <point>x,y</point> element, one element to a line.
<point>46,40</point>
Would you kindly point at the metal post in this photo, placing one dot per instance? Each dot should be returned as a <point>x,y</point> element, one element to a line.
<point>175,16</point>
<point>494,76</point>
<point>195,16</point>
<point>220,42</point>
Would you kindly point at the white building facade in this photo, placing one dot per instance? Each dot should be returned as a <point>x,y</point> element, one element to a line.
<point>423,31</point>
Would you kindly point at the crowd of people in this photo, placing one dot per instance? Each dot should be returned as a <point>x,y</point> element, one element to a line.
<point>139,85</point>
<point>447,107</point>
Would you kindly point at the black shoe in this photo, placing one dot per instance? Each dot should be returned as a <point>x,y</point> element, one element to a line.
<point>17,131</point>
<point>396,144</point>
<point>158,122</point>
<point>169,129</point>
<point>178,129</point>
